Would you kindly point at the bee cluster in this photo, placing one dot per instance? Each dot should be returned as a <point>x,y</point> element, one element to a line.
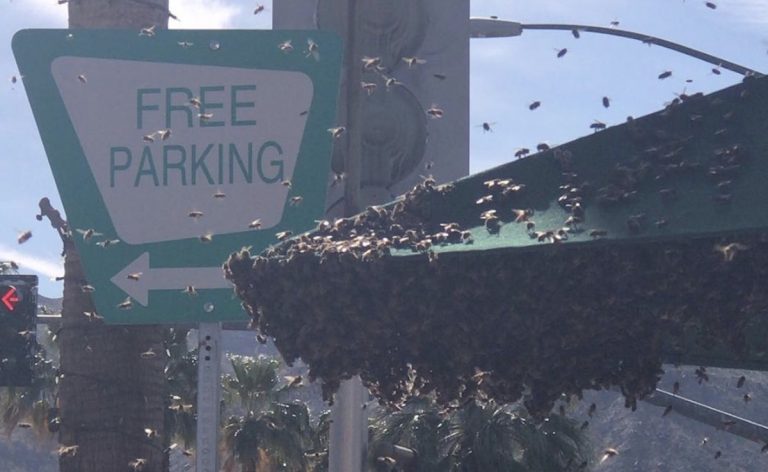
<point>392,294</point>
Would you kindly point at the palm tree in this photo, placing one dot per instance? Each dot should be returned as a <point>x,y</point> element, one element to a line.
<point>476,438</point>
<point>271,433</point>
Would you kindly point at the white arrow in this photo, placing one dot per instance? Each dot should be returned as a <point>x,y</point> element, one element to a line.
<point>166,279</point>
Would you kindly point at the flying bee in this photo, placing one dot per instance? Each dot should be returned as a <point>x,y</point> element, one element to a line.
<point>541,147</point>
<point>313,49</point>
<point>606,102</point>
<point>488,214</point>
<point>484,199</point>
<point>206,238</point>
<point>293,380</point>
<point>337,132</point>
<point>534,105</point>
<point>195,214</point>
<point>107,243</point>
<point>675,388</point>
<point>259,8</point>
<point>126,304</point>
<point>729,251</point>
<point>148,138</point>
<point>439,76</point>
<point>370,62</point>
<point>138,464</point>
<point>665,75</point>
<point>598,125</point>
<point>92,315</point>
<point>747,398</point>
<point>185,44</point>
<point>283,235</point>
<point>391,82</point>
<point>435,112</point>
<point>190,290</point>
<point>149,354</point>
<point>134,276</point>
<point>614,24</point>
<point>592,410</point>
<point>151,433</point>
<point>86,288</point>
<point>205,116</point>
<point>487,127</point>
<point>219,195</point>
<point>164,134</point>
<point>412,61</point>
<point>296,201</point>
<point>149,31</point>
<point>68,451</point>
<point>24,425</point>
<point>711,5</point>
<point>561,52</point>
<point>718,453</point>
<point>82,78</point>
<point>608,453</point>
<point>369,87</point>
<point>522,152</point>
<point>522,215</point>
<point>24,236</point>
<point>575,33</point>
<point>255,224</point>
<point>285,46</point>
<point>740,382</point>
<point>195,102</point>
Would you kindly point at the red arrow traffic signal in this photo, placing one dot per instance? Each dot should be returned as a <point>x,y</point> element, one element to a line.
<point>10,298</point>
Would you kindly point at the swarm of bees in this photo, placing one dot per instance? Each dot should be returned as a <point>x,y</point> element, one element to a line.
<point>368,296</point>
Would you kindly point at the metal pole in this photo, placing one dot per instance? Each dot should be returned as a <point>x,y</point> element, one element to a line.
<point>208,393</point>
<point>493,28</point>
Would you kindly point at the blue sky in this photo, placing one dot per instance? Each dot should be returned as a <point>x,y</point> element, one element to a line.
<point>506,75</point>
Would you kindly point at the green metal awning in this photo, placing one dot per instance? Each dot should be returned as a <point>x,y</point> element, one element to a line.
<point>582,266</point>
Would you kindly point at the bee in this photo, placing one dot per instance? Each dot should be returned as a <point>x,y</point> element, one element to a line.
<point>369,87</point>
<point>148,138</point>
<point>92,315</point>
<point>729,251</point>
<point>313,49</point>
<point>195,214</point>
<point>286,183</point>
<point>598,125</point>
<point>24,425</point>
<point>391,82</point>
<point>206,238</point>
<point>86,288</point>
<point>575,33</point>
<point>219,194</point>
<point>68,451</point>
<point>151,433</point>
<point>190,290</point>
<point>255,224</point>
<point>164,133</point>
<point>293,380</point>
<point>667,410</point>
<point>304,113</point>
<point>740,382</point>
<point>261,338</point>
<point>337,132</point>
<point>23,237</point>
<point>149,354</point>
<point>205,116</point>
<point>195,102</point>
<point>665,75</point>
<point>126,304</point>
<point>82,78</point>
<point>718,453</point>
<point>185,44</point>
<point>439,76</point>
<point>487,127</point>
<point>522,152</point>
<point>716,70</point>
<point>388,461</point>
<point>435,112</point>
<point>747,398</point>
<point>614,24</point>
<point>606,102</point>
<point>134,276</point>
<point>592,410</point>
<point>597,233</point>
<point>107,243</point>
<point>149,31</point>
<point>584,425</point>
<point>296,201</point>
<point>138,464</point>
<point>283,235</point>
<point>412,61</point>
<point>675,388</point>
<point>711,5</point>
<point>534,105</point>
<point>14,79</point>
<point>258,9</point>
<point>285,46</point>
<point>371,62</point>
<point>661,222</point>
<point>484,199</point>
<point>542,147</point>
<point>561,52</point>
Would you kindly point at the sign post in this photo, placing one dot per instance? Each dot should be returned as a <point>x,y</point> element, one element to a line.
<point>172,149</point>
<point>208,394</point>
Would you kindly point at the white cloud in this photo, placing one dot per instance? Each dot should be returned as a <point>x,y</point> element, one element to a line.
<point>42,266</point>
<point>204,14</point>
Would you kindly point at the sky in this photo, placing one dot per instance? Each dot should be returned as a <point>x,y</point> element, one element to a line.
<point>507,74</point>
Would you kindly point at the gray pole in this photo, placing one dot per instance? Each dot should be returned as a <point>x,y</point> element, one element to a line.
<point>208,393</point>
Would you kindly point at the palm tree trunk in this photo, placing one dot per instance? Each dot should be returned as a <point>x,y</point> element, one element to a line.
<point>112,399</point>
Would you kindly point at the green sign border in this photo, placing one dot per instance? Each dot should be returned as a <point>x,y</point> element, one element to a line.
<point>36,49</point>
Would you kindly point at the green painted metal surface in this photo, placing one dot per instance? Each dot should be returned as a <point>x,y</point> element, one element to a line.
<point>145,131</point>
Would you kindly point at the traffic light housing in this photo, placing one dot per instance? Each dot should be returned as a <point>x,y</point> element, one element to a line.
<point>18,311</point>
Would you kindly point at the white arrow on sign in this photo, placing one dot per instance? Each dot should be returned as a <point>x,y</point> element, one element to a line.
<point>166,278</point>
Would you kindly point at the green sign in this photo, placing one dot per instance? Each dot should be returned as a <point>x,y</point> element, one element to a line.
<point>172,149</point>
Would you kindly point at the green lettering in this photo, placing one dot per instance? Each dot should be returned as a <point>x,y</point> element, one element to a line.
<point>199,163</point>
<point>247,171</point>
<point>170,107</point>
<point>141,107</point>
<point>146,167</point>
<point>236,105</point>
<point>278,164</point>
<point>113,166</point>
<point>179,165</point>
<point>205,105</point>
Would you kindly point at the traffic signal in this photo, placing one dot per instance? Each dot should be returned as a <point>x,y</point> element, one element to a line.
<point>18,311</point>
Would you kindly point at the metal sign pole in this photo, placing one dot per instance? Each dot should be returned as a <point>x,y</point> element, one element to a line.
<point>208,393</point>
